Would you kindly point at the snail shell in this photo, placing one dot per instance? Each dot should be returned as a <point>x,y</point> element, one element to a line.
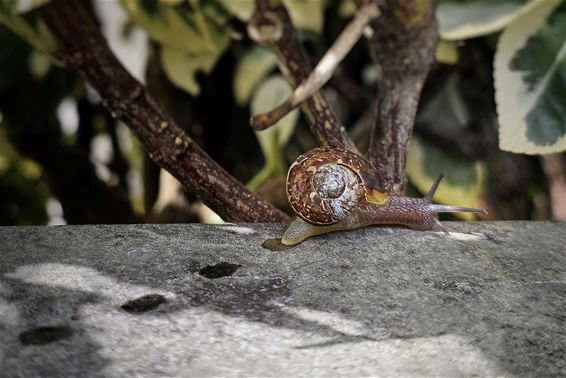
<point>325,184</point>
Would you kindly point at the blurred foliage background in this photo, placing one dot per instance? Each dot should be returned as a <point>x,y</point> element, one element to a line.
<point>492,115</point>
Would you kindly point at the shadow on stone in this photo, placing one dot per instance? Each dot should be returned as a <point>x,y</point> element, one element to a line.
<point>59,345</point>
<point>502,296</point>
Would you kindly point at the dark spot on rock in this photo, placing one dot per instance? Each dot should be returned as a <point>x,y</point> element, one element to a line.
<point>144,303</point>
<point>45,335</point>
<point>275,245</point>
<point>222,269</point>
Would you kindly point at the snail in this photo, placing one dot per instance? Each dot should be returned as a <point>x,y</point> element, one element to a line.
<point>331,189</point>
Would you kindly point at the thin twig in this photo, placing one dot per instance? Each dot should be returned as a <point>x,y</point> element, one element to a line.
<point>323,70</point>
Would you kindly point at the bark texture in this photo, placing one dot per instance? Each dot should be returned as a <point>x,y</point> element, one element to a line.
<point>403,44</point>
<point>84,49</point>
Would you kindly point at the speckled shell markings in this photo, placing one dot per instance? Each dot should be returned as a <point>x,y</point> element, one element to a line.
<point>304,198</point>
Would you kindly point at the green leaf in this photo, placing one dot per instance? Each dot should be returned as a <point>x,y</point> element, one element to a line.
<point>305,14</point>
<point>464,181</point>
<point>181,27</point>
<point>251,70</point>
<point>347,8</point>
<point>530,81</point>
<point>29,26</point>
<point>181,67</point>
<point>459,20</point>
<point>171,2</point>
<point>20,6</point>
<point>193,35</point>
<point>39,64</point>
<point>447,108</point>
<point>241,9</point>
<point>272,141</point>
<point>446,52</point>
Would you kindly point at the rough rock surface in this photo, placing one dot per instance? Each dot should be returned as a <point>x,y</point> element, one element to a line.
<point>202,300</point>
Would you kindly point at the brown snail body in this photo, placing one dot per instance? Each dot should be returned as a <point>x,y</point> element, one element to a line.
<point>331,189</point>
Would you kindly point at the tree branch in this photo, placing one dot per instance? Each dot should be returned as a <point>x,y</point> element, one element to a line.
<point>403,43</point>
<point>323,70</point>
<point>271,26</point>
<point>84,49</point>
<point>555,169</point>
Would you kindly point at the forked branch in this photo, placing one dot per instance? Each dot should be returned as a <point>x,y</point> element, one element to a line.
<point>323,70</point>
<point>271,26</point>
<point>84,48</point>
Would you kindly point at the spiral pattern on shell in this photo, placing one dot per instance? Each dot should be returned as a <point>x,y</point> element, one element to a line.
<point>326,183</point>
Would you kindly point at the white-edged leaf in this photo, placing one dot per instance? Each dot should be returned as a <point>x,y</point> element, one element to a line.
<point>181,67</point>
<point>464,181</point>
<point>269,94</point>
<point>462,20</point>
<point>251,70</point>
<point>530,81</point>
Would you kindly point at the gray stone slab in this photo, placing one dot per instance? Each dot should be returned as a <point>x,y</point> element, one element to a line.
<point>201,300</point>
